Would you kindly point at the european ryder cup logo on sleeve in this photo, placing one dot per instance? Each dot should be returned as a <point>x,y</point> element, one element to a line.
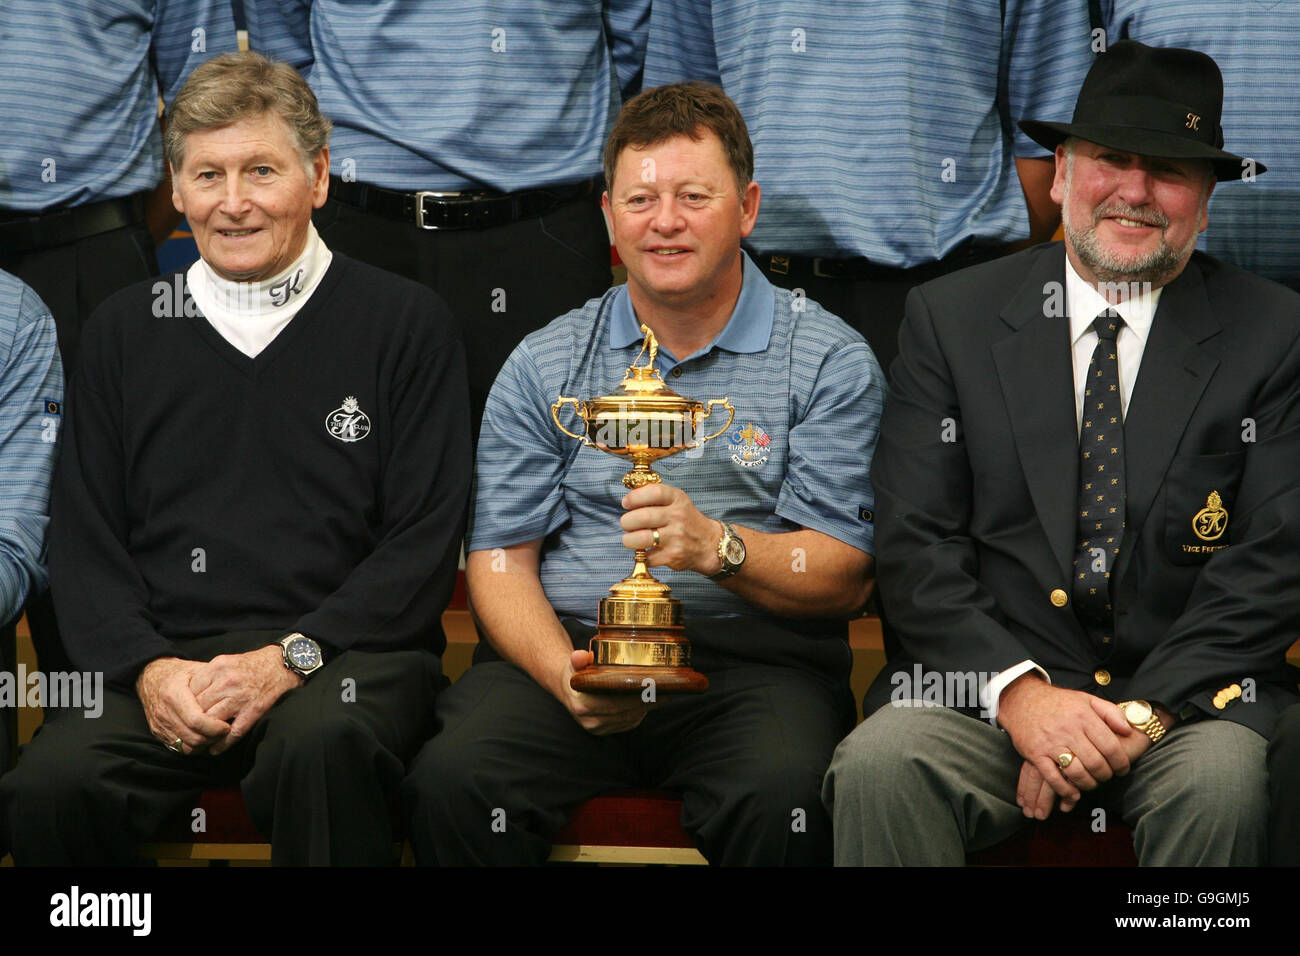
<point>749,445</point>
<point>348,422</point>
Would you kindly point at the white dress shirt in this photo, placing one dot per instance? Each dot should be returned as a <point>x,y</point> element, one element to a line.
<point>1083,304</point>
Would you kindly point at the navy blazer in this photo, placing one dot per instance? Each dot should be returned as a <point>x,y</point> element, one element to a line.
<point>976,480</point>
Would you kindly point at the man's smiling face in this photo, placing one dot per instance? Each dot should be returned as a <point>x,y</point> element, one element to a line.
<point>1130,218</point>
<point>677,215</point>
<point>247,196</point>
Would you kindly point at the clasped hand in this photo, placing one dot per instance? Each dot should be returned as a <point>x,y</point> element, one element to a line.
<point>212,705</point>
<point>1045,722</point>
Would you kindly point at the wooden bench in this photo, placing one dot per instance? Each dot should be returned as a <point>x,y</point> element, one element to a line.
<point>624,827</point>
<point>627,827</point>
<point>228,835</point>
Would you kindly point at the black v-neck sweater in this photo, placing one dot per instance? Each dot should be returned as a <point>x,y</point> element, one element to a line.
<point>320,487</point>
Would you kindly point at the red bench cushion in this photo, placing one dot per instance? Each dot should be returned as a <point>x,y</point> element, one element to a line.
<point>1061,841</point>
<point>627,818</point>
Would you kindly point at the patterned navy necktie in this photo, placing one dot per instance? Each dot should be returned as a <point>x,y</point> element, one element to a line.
<point>1101,483</point>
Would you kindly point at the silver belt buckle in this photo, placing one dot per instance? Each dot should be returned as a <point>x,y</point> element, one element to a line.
<point>419,204</point>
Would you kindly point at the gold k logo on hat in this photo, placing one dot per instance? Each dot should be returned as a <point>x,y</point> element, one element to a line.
<point>1152,101</point>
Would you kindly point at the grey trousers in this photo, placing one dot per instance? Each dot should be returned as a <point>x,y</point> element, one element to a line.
<point>923,785</point>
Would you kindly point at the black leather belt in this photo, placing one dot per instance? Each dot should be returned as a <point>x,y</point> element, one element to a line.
<point>25,231</point>
<point>858,267</point>
<point>481,209</point>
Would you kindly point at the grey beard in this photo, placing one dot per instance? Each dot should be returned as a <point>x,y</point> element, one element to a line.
<point>1156,267</point>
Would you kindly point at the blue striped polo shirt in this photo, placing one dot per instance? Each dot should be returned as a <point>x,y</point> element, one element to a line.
<point>461,94</point>
<point>808,395</point>
<point>879,126</point>
<point>31,380</point>
<point>79,88</point>
<point>1254,225</point>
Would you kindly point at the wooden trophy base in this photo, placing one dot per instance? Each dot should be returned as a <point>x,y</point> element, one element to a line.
<point>630,679</point>
<point>625,657</point>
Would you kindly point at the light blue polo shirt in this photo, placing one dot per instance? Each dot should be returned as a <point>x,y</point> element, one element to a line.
<point>461,94</point>
<point>79,88</point>
<point>32,378</point>
<point>883,128</point>
<point>808,394</point>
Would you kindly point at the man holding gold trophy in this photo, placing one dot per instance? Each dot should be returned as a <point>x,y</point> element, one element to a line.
<point>761,526</point>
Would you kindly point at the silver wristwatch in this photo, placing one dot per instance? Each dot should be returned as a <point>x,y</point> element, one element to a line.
<point>301,654</point>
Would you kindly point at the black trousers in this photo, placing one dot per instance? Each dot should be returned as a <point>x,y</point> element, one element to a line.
<point>500,283</point>
<point>509,764</point>
<point>1284,789</point>
<point>75,278</point>
<point>320,773</point>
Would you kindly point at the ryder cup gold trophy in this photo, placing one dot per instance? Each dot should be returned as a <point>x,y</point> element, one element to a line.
<point>639,627</point>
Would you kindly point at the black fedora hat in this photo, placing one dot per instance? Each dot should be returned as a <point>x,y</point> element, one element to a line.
<point>1152,101</point>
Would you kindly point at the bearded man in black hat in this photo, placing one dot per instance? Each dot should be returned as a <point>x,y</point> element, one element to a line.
<point>1088,512</point>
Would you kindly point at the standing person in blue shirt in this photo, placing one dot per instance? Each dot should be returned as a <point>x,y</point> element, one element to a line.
<point>766,619</point>
<point>885,132</point>
<point>1256,227</point>
<point>31,379</point>
<point>467,144</point>
<point>84,198</point>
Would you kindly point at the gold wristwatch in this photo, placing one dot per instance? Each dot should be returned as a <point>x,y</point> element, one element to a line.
<point>731,553</point>
<point>1140,715</point>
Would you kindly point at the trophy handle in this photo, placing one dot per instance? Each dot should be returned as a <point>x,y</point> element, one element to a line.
<point>731,414</point>
<point>555,417</point>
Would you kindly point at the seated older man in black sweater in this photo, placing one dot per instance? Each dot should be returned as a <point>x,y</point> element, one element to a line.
<point>257,513</point>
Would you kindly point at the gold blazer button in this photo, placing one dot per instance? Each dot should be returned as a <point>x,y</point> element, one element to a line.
<point>1102,677</point>
<point>1059,598</point>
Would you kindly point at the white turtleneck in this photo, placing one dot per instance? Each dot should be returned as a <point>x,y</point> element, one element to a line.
<point>249,315</point>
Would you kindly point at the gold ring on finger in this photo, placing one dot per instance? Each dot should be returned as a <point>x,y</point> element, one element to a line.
<point>654,540</point>
<point>176,746</point>
<point>1065,759</point>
